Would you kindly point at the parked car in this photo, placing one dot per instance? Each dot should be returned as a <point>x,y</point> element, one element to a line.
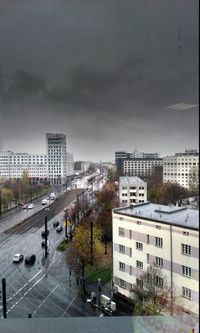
<point>18,257</point>
<point>59,228</point>
<point>56,224</point>
<point>43,233</point>
<point>43,243</point>
<point>30,260</point>
<point>24,206</point>
<point>30,206</point>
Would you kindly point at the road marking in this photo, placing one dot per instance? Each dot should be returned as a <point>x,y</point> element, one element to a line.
<point>54,257</point>
<point>44,300</point>
<point>69,305</point>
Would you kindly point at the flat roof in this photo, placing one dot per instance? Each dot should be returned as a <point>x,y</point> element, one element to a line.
<point>127,181</point>
<point>169,214</point>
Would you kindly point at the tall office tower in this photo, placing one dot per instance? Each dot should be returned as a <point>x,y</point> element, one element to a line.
<point>56,158</point>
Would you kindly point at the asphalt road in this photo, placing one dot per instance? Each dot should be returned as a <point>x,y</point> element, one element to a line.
<point>44,289</point>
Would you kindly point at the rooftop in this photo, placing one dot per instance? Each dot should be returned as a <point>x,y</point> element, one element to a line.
<point>127,181</point>
<point>180,216</point>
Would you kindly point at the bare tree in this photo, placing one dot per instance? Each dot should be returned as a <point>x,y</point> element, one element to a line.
<point>152,291</point>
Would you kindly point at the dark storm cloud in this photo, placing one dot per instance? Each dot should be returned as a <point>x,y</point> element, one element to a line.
<point>103,72</point>
<point>21,84</point>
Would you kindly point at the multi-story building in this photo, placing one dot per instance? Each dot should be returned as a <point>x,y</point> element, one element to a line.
<point>141,167</point>
<point>56,158</point>
<point>70,164</point>
<point>120,156</point>
<point>81,166</point>
<point>52,166</point>
<point>183,168</point>
<point>132,190</point>
<point>165,235</point>
<point>12,166</point>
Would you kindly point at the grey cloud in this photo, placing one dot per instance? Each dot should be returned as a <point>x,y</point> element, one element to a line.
<point>21,84</point>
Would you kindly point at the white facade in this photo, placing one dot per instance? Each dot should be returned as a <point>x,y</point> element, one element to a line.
<point>181,168</point>
<point>56,158</point>
<point>13,164</point>
<point>141,167</point>
<point>167,235</point>
<point>132,190</point>
<point>70,164</point>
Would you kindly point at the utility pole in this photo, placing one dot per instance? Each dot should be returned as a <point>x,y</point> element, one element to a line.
<point>4,298</point>
<point>91,243</point>
<point>45,239</point>
<point>66,220</point>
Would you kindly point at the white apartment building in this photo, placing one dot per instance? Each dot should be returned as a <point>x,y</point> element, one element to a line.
<point>56,158</point>
<point>141,167</point>
<point>166,235</point>
<point>183,168</point>
<point>70,164</point>
<point>13,164</point>
<point>132,190</point>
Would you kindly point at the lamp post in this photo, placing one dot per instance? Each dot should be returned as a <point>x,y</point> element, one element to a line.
<point>99,291</point>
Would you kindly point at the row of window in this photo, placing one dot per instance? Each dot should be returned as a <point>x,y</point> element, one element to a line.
<point>186,271</point>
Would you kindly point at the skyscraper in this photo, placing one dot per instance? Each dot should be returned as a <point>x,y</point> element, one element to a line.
<point>56,158</point>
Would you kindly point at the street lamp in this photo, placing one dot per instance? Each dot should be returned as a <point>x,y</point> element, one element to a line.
<point>99,291</point>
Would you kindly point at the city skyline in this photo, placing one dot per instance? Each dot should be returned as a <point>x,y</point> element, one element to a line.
<point>129,83</point>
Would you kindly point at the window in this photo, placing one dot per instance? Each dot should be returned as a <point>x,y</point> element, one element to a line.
<point>130,270</point>
<point>159,281</point>
<point>139,283</point>
<point>186,271</point>
<point>121,248</point>
<point>159,262</point>
<point>121,232</point>
<point>148,258</point>
<point>186,249</point>
<point>139,246</point>
<point>148,239</point>
<point>130,234</point>
<point>186,292</point>
<point>122,283</point>
<point>159,242</point>
<point>130,252</point>
<point>186,233</point>
<point>139,264</point>
<point>122,266</point>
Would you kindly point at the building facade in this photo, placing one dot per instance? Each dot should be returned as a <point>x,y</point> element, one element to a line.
<point>70,164</point>
<point>183,168</point>
<point>141,167</point>
<point>121,156</point>
<point>165,235</point>
<point>12,166</point>
<point>132,190</point>
<point>56,158</point>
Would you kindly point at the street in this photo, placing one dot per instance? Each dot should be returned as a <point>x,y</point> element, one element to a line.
<point>46,288</point>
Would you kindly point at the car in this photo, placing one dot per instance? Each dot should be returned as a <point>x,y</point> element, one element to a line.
<point>24,206</point>
<point>43,243</point>
<point>56,224</point>
<point>18,257</point>
<point>43,233</point>
<point>30,260</point>
<point>44,202</point>
<point>59,228</point>
<point>30,206</point>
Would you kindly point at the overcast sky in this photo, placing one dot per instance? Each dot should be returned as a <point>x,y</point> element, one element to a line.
<point>110,74</point>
